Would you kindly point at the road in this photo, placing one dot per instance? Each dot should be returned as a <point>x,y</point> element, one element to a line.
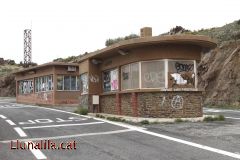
<point>95,139</point>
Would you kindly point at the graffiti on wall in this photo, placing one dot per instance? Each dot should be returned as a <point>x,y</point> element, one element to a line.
<point>44,97</point>
<point>25,86</point>
<point>93,78</point>
<point>154,77</point>
<point>114,80</point>
<point>84,101</point>
<point>181,67</point>
<point>177,102</point>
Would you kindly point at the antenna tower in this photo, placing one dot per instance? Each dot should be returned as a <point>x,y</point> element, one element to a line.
<point>27,47</point>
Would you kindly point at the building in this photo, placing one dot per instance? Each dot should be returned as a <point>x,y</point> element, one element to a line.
<point>146,77</point>
<point>51,83</point>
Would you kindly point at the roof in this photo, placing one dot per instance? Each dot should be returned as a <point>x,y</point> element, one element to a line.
<point>199,40</point>
<point>46,65</point>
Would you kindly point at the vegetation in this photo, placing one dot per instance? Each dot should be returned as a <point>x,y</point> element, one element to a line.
<point>145,122</point>
<point>116,119</point>
<point>82,111</point>
<point>214,118</point>
<point>116,40</point>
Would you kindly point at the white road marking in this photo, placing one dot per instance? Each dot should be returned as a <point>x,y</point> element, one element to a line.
<point>232,117</point>
<point>3,117</point>
<point>20,132</point>
<point>220,110</point>
<point>15,107</point>
<point>36,152</point>
<point>63,125</point>
<point>204,147</point>
<point>71,136</point>
<point>10,122</point>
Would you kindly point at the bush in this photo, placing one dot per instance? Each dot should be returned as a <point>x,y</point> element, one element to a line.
<point>82,111</point>
<point>144,122</point>
<point>214,118</point>
<point>116,119</point>
<point>178,120</point>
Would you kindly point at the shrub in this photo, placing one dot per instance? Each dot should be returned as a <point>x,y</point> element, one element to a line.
<point>214,118</point>
<point>144,122</point>
<point>178,120</point>
<point>116,119</point>
<point>82,111</point>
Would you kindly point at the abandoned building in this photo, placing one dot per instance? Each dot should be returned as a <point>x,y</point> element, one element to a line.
<point>146,77</point>
<point>51,83</point>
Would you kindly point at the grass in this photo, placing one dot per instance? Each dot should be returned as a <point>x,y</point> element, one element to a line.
<point>116,119</point>
<point>82,111</point>
<point>214,118</point>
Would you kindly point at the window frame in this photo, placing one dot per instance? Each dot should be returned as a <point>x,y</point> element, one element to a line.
<point>40,80</point>
<point>109,70</point>
<point>139,83</point>
<point>70,78</point>
<point>166,71</point>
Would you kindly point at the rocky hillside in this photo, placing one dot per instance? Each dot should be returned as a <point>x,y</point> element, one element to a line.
<point>219,73</point>
<point>7,80</point>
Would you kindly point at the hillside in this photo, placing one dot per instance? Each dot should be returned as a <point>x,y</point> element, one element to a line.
<point>7,80</point>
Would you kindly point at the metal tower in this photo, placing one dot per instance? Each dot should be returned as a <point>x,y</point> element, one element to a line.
<point>27,46</point>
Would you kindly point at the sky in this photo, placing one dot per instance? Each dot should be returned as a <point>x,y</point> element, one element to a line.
<point>62,28</point>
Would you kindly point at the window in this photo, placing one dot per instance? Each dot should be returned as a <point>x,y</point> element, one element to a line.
<point>59,82</point>
<point>130,76</point>
<point>44,83</point>
<point>181,74</point>
<point>153,74</point>
<point>110,80</point>
<point>67,83</point>
<point>84,83</point>
<point>25,86</point>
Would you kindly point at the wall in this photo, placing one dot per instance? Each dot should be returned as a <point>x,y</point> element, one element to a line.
<point>154,52</point>
<point>178,104</point>
<point>52,97</point>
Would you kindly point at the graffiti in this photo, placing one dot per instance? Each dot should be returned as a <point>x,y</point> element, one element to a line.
<point>180,67</point>
<point>44,96</point>
<point>163,101</point>
<point>151,77</point>
<point>25,86</point>
<point>177,102</point>
<point>84,83</point>
<point>94,78</point>
<point>114,80</point>
<point>84,100</point>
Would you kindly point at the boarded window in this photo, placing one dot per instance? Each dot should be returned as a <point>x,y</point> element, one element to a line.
<point>130,76</point>
<point>181,74</point>
<point>153,74</point>
<point>25,87</point>
<point>110,80</point>
<point>44,83</point>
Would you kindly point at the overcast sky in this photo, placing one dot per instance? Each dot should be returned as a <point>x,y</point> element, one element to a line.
<point>62,28</point>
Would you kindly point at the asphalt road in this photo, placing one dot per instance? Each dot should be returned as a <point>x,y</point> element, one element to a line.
<point>98,139</point>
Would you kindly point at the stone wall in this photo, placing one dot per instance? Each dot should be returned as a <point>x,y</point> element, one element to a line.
<point>108,104</point>
<point>174,104</point>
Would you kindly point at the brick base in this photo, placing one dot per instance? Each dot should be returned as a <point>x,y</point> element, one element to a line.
<point>179,104</point>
